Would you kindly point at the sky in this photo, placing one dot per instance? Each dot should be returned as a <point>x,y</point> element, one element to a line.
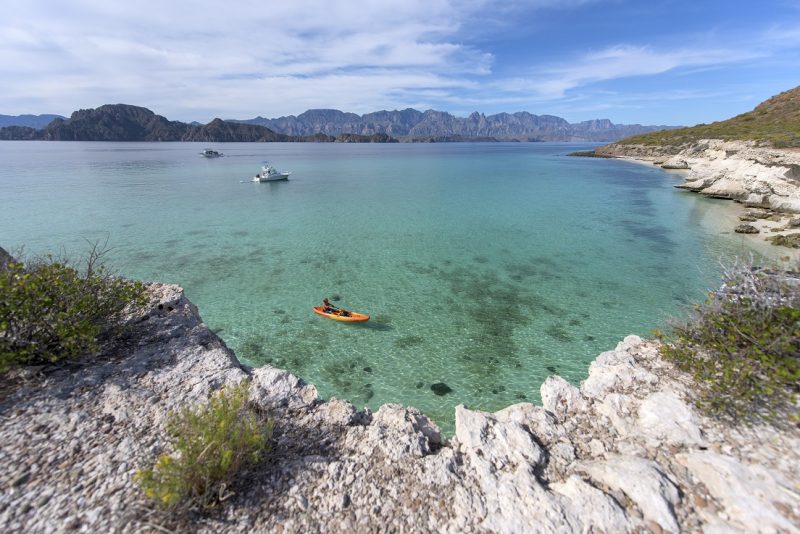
<point>671,62</point>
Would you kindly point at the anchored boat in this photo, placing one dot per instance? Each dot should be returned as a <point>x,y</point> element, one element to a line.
<point>270,174</point>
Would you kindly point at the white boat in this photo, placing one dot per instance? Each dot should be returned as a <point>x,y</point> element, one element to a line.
<point>270,174</point>
<point>208,153</point>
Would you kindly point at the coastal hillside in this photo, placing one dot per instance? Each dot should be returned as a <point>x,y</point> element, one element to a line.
<point>774,122</point>
<point>123,122</point>
<point>752,158</point>
<point>412,125</point>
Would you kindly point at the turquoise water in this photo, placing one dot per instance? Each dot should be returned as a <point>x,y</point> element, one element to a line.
<point>485,267</point>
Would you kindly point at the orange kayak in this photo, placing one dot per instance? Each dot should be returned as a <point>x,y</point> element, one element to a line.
<point>342,315</point>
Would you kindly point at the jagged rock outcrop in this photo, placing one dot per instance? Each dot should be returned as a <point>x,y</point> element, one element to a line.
<point>623,453</point>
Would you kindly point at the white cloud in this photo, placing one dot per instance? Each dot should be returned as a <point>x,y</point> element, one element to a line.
<point>196,60</point>
<point>621,61</point>
<point>53,55</point>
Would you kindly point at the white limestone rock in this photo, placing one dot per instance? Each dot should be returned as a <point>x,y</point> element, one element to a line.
<point>644,482</point>
<point>617,370</point>
<point>276,387</point>
<point>618,409</point>
<point>541,422</point>
<point>408,430</point>
<point>502,444</point>
<point>663,417</point>
<point>676,162</point>
<point>598,511</point>
<point>501,457</point>
<point>750,494</point>
<point>561,398</point>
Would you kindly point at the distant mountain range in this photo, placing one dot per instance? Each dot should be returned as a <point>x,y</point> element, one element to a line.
<point>122,122</point>
<point>32,121</point>
<point>410,124</point>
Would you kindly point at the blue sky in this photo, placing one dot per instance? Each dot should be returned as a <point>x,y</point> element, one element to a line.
<point>650,62</point>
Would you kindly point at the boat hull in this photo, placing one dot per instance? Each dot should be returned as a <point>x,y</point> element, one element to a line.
<point>282,177</point>
<point>354,317</point>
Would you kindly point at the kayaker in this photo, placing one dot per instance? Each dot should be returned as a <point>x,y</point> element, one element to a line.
<point>328,307</point>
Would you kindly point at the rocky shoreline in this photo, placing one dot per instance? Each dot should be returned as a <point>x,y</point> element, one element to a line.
<point>765,180</point>
<point>624,453</point>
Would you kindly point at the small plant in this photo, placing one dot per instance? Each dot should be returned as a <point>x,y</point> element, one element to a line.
<point>49,311</point>
<point>743,346</point>
<point>212,444</point>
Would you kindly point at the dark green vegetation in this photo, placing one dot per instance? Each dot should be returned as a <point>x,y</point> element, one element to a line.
<point>743,346</point>
<point>212,444</point>
<point>775,122</point>
<point>50,311</point>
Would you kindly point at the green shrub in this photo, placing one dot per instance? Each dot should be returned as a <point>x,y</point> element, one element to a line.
<point>49,311</point>
<point>212,444</point>
<point>743,347</point>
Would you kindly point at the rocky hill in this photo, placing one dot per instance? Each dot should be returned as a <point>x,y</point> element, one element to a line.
<point>774,122</point>
<point>118,122</point>
<point>752,159</point>
<point>410,124</point>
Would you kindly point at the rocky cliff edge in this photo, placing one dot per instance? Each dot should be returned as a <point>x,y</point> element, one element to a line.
<point>625,452</point>
<point>754,175</point>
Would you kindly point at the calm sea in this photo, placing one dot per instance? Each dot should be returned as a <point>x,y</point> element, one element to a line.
<point>485,267</point>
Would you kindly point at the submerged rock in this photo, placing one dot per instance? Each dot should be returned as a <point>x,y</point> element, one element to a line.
<point>785,240</point>
<point>440,388</point>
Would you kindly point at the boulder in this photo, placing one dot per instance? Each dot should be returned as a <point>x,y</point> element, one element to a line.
<point>746,229</point>
<point>675,163</point>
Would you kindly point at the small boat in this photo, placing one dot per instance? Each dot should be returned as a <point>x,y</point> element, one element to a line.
<point>270,174</point>
<point>208,153</point>
<point>342,315</point>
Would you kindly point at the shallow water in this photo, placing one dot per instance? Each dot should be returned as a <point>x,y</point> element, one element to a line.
<point>485,267</point>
